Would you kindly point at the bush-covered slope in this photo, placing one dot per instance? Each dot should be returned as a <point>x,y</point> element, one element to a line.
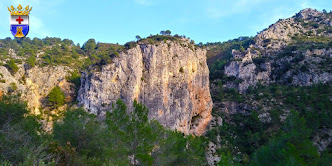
<point>83,139</point>
<point>274,95</point>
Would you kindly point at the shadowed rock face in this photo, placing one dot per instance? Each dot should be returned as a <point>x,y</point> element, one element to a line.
<point>171,79</point>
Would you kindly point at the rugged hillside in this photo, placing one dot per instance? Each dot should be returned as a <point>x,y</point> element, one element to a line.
<point>293,51</point>
<point>272,99</point>
<point>256,83</point>
<point>30,69</point>
<point>35,84</point>
<point>168,74</point>
<point>170,78</point>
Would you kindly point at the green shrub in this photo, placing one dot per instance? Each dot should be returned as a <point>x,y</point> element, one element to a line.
<point>116,54</point>
<point>31,61</point>
<point>3,51</point>
<point>292,147</point>
<point>12,67</point>
<point>13,86</point>
<point>83,131</point>
<point>90,46</point>
<point>75,78</point>
<point>258,62</point>
<point>20,143</point>
<point>181,70</point>
<point>2,80</point>
<point>130,45</point>
<point>56,97</point>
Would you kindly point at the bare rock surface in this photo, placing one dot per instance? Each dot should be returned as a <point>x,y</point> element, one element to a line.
<point>171,79</point>
<point>33,85</point>
<point>271,58</point>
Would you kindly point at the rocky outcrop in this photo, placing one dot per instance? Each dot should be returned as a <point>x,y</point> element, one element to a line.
<point>244,69</point>
<point>322,139</point>
<point>293,51</point>
<point>309,13</point>
<point>171,79</point>
<point>271,60</point>
<point>303,68</point>
<point>34,84</point>
<point>281,33</point>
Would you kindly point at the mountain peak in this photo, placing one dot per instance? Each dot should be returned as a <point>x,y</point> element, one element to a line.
<point>308,12</point>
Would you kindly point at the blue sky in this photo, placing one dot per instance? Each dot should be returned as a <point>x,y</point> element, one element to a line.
<point>119,21</point>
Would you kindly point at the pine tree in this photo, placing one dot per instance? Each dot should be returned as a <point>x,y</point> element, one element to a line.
<point>13,68</point>
<point>90,46</point>
<point>168,32</point>
<point>56,97</point>
<point>138,37</point>
<point>134,134</point>
<point>31,61</point>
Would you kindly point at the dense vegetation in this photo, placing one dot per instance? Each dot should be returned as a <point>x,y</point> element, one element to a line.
<point>12,67</point>
<point>54,51</point>
<point>82,139</point>
<point>123,139</point>
<point>276,124</point>
<point>220,53</point>
<point>248,138</point>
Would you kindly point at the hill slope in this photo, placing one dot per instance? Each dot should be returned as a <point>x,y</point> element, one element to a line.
<point>257,82</point>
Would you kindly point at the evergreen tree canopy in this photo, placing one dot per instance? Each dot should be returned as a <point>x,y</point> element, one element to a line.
<point>12,67</point>
<point>56,97</point>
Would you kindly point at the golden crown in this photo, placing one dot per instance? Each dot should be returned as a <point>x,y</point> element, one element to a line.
<point>19,10</point>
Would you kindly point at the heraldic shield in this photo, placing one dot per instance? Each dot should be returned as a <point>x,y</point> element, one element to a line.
<point>19,21</point>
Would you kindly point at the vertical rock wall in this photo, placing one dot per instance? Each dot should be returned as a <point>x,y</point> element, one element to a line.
<point>171,79</point>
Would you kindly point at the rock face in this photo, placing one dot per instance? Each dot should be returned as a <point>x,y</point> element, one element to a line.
<point>287,52</point>
<point>281,33</point>
<point>171,79</point>
<point>293,51</point>
<point>247,71</point>
<point>34,84</point>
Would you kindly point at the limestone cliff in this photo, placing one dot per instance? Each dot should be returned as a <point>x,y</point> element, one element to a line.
<point>33,85</point>
<point>170,78</point>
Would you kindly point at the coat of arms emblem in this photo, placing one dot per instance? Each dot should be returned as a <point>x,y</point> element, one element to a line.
<point>19,21</point>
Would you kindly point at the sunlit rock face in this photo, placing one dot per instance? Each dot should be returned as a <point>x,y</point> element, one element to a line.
<point>171,79</point>
<point>267,60</point>
<point>33,85</point>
